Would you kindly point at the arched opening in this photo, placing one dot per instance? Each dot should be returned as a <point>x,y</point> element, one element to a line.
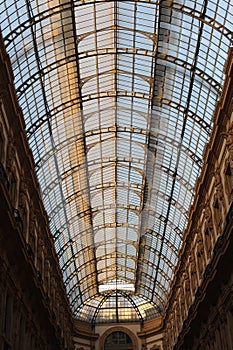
<point>118,340</point>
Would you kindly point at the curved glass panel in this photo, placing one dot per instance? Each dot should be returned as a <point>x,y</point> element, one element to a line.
<point>118,99</point>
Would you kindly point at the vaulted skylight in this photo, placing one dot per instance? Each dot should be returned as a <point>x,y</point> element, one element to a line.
<point>118,99</point>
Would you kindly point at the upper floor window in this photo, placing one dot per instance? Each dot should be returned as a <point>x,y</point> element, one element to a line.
<point>118,340</point>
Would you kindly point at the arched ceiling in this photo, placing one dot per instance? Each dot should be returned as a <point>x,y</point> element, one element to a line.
<point>118,99</point>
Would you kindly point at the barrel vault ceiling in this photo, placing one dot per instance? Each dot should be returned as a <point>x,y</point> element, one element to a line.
<point>118,99</point>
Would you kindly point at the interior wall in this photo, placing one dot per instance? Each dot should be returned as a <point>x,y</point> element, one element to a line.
<point>152,334</point>
<point>199,309</point>
<point>146,336</point>
<point>34,310</point>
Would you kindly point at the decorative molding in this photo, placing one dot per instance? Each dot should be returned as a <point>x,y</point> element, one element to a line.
<point>119,329</point>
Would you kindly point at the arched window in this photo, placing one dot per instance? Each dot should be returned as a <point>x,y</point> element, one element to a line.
<point>118,340</point>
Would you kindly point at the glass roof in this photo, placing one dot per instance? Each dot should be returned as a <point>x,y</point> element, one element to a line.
<point>118,98</point>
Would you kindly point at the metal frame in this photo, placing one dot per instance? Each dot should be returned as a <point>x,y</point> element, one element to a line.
<point>118,99</point>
